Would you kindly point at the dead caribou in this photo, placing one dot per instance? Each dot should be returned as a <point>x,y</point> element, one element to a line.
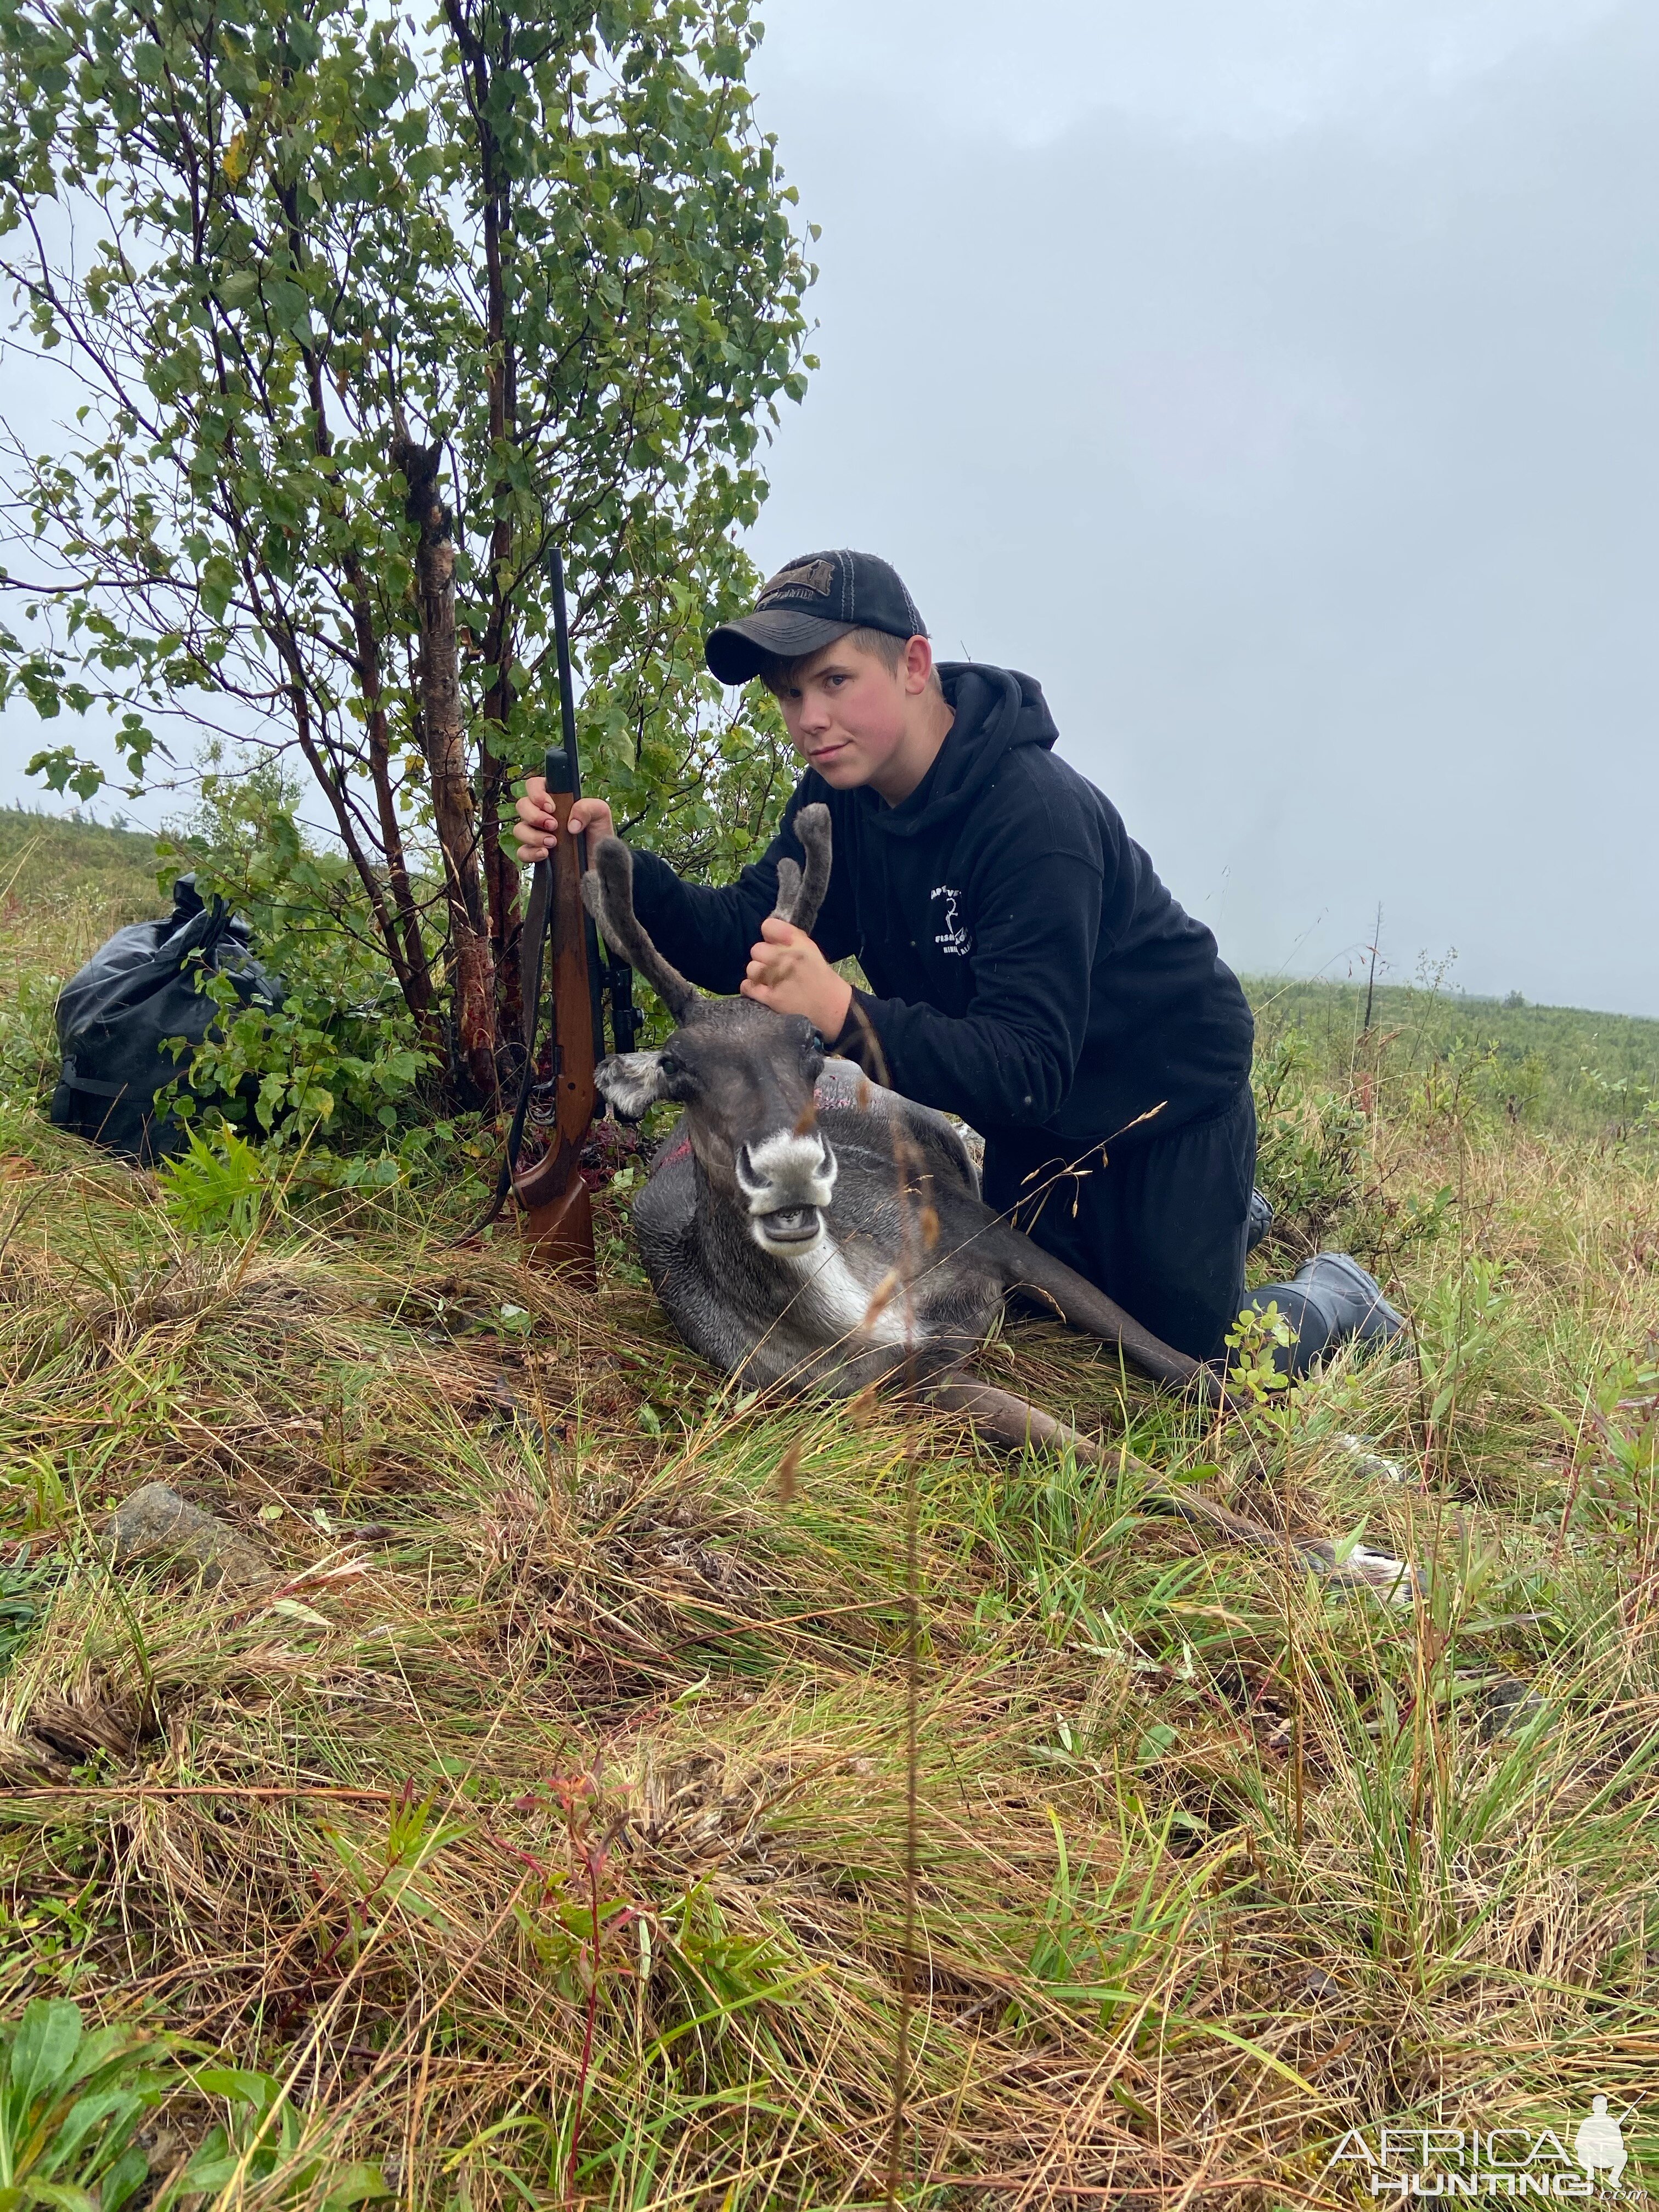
<point>807,1228</point>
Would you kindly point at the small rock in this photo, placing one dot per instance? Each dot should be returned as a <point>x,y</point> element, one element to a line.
<point>156,1524</point>
<point>1508,1704</point>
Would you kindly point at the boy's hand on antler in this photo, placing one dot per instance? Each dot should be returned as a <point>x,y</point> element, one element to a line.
<point>536,831</point>
<point>787,973</point>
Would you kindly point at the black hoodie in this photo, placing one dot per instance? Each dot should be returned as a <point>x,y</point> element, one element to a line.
<point>1029,970</point>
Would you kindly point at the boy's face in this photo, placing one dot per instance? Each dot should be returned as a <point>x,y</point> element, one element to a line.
<point>848,713</point>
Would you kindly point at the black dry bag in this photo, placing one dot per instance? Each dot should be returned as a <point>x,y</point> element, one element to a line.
<point>135,991</point>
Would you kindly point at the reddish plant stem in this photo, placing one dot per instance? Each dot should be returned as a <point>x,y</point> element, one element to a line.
<point>592,1860</point>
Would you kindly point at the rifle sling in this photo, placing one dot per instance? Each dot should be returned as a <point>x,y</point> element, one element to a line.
<point>532,947</point>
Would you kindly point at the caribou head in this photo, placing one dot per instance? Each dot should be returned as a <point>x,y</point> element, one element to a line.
<point>744,1073</point>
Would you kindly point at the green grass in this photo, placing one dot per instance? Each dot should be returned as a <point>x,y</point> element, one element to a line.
<point>49,858</point>
<point>548,1816</point>
<point>66,885</point>
<point>1548,1067</point>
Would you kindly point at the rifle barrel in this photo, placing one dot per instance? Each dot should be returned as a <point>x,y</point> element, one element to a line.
<point>566,689</point>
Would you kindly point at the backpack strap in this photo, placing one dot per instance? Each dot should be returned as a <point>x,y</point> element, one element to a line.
<point>96,1090</point>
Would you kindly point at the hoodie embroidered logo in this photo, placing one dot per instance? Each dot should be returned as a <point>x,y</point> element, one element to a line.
<point>953,937</point>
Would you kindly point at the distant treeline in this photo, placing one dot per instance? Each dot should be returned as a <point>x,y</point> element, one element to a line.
<point>1545,1067</point>
<point>45,855</point>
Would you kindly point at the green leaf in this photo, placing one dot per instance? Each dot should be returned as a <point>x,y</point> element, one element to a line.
<point>217,582</point>
<point>118,2106</point>
<point>128,2174</point>
<point>241,2084</point>
<point>43,2048</point>
<point>357,2185</point>
<point>212,2166</point>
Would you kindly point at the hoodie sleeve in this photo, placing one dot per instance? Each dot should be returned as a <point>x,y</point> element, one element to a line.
<point>706,932</point>
<point>1007,1061</point>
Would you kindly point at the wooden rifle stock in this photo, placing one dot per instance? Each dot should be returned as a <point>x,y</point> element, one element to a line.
<point>554,1208</point>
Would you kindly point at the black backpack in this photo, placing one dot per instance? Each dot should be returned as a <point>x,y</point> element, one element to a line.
<point>141,987</point>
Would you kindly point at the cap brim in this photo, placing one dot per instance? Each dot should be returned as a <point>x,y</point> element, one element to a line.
<point>738,650</point>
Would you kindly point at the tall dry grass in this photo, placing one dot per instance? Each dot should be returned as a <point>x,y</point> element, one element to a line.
<point>541,1827</point>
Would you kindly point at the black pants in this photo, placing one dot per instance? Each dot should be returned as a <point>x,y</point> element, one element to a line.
<point>1159,1223</point>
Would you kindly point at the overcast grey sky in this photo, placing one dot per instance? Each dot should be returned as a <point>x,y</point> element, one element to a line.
<point>1279,381</point>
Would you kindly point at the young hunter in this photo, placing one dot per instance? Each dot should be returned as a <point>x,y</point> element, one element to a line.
<point>1028,970</point>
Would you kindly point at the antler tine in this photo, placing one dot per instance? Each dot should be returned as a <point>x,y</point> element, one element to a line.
<point>800,896</point>
<point>608,895</point>
<point>788,891</point>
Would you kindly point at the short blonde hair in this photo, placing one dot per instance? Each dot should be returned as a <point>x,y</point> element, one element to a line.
<point>881,644</point>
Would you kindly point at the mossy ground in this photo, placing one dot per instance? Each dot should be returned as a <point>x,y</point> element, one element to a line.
<point>543,1829</point>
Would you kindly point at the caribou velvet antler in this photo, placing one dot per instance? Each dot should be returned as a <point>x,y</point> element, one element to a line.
<point>799,898</point>
<point>608,894</point>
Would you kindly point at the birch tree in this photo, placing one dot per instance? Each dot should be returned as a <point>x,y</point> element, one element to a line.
<point>363,315</point>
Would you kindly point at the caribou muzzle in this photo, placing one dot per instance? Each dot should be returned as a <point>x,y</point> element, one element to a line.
<point>787,1180</point>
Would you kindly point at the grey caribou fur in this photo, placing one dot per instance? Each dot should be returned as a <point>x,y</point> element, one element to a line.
<point>807,1228</point>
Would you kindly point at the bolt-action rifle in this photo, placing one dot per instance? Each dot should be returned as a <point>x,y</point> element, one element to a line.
<point>554,1208</point>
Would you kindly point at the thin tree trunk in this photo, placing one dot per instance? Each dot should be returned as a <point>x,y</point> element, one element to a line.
<point>274,620</point>
<point>501,876</point>
<point>331,778</point>
<point>417,988</point>
<point>501,894</point>
<point>443,740</point>
<point>406,948</point>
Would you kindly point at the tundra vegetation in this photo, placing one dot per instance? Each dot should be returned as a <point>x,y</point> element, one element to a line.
<point>569,1815</point>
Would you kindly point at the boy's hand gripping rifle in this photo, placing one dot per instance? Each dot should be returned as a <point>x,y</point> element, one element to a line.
<point>556,1211</point>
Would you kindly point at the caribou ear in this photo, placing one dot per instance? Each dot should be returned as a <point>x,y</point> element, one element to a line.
<point>799,898</point>
<point>631,1082</point>
<point>608,895</point>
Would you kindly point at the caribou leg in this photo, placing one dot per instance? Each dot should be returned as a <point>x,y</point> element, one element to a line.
<point>1082,1305</point>
<point>1006,1419</point>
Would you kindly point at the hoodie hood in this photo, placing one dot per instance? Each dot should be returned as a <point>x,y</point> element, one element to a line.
<point>996,710</point>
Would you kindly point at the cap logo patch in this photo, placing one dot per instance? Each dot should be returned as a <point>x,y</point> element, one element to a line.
<point>807,579</point>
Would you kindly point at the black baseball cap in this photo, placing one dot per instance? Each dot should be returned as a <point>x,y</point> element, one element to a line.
<point>808,605</point>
